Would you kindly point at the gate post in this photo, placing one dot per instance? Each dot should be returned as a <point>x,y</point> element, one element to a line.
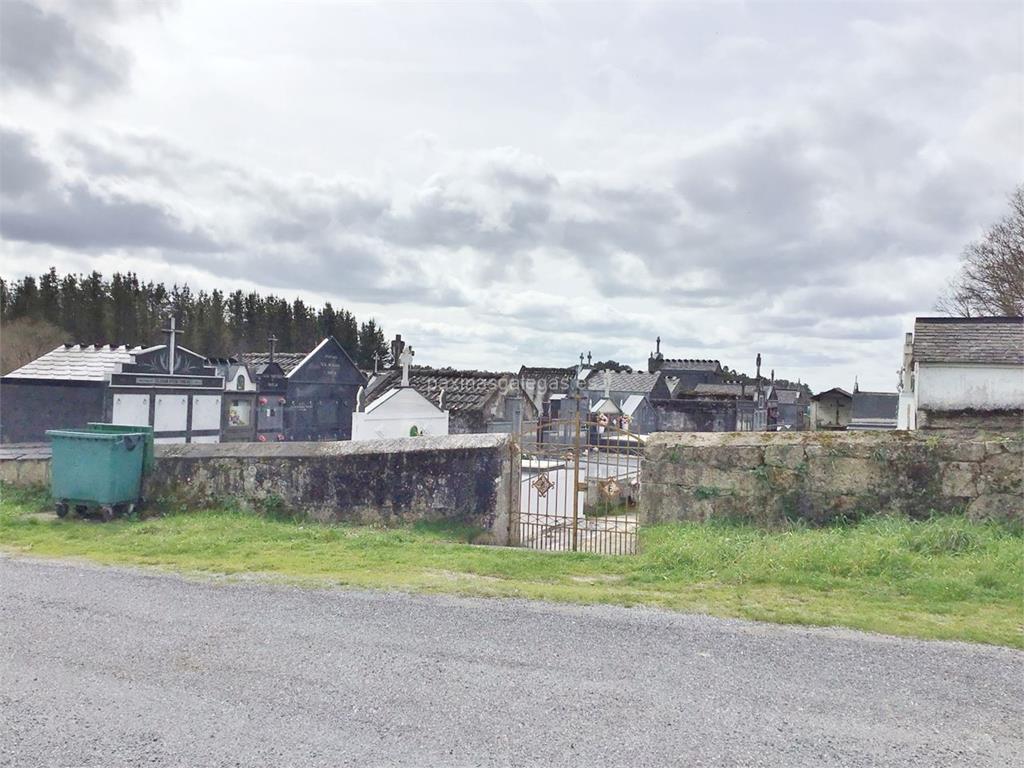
<point>515,482</point>
<point>576,484</point>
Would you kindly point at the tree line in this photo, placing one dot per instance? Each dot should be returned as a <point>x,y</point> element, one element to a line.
<point>38,313</point>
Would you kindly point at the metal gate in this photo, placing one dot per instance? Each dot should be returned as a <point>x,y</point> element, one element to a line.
<point>579,487</point>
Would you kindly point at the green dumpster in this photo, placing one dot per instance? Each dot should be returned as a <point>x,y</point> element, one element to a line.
<point>92,469</point>
<point>121,429</point>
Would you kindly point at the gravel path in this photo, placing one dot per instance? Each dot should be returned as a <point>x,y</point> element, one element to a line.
<point>116,667</point>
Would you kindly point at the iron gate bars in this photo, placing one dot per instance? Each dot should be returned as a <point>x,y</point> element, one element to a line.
<point>579,485</point>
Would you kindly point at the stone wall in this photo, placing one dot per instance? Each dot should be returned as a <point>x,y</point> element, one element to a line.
<point>25,466</point>
<point>768,477</point>
<point>471,479</point>
<point>1003,421</point>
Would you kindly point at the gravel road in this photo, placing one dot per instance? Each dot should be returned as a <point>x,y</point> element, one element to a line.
<point>117,667</point>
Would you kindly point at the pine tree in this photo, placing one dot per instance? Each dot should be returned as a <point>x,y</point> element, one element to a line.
<point>371,344</point>
<point>347,332</point>
<point>89,310</point>
<point>49,297</point>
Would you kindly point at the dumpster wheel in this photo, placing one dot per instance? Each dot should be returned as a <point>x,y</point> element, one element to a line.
<point>107,513</point>
<point>61,508</point>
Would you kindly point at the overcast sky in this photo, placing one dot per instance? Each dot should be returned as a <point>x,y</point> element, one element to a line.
<point>517,183</point>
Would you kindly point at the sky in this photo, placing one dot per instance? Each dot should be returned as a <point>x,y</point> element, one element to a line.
<point>517,183</point>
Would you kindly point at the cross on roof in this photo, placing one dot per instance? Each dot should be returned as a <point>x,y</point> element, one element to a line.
<point>172,332</point>
<point>406,360</point>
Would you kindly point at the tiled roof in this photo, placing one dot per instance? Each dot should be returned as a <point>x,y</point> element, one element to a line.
<point>73,362</point>
<point>637,383</point>
<point>875,406</point>
<point>287,360</point>
<point>993,340</point>
<point>463,390</point>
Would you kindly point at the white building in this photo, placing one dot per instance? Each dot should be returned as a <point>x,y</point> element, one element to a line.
<point>963,372</point>
<point>402,412</point>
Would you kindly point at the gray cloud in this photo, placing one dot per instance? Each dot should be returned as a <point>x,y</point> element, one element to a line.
<point>41,207</point>
<point>795,193</point>
<point>48,53</point>
<point>21,172</point>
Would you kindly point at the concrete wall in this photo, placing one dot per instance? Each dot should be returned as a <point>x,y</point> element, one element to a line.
<point>822,476</point>
<point>471,479</point>
<point>830,412</point>
<point>395,417</point>
<point>978,387</point>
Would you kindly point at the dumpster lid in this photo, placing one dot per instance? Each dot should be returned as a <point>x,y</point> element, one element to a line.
<point>74,434</point>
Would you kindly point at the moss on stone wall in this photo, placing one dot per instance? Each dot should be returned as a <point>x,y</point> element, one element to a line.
<point>823,477</point>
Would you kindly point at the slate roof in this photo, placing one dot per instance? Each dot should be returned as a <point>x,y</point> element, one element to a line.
<point>785,396</point>
<point>736,389</point>
<point>631,403</point>
<point>604,405</point>
<point>875,406</point>
<point>686,364</point>
<point>287,360</point>
<point>74,362</point>
<point>637,383</point>
<point>991,340</point>
<point>555,379</point>
<point>463,390</point>
<point>536,372</point>
<point>834,390</point>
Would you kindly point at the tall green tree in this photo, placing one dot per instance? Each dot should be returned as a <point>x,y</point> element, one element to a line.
<point>49,297</point>
<point>347,332</point>
<point>371,344</point>
<point>125,310</point>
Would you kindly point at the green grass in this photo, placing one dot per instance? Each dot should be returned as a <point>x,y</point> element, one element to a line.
<point>941,578</point>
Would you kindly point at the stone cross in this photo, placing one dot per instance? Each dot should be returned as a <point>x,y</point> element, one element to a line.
<point>376,362</point>
<point>406,360</point>
<point>172,343</point>
<point>272,342</point>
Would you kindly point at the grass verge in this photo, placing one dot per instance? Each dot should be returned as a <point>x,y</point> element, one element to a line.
<point>941,578</point>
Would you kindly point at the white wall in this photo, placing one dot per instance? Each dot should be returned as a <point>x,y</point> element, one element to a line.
<point>397,416</point>
<point>982,387</point>
<point>906,416</point>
